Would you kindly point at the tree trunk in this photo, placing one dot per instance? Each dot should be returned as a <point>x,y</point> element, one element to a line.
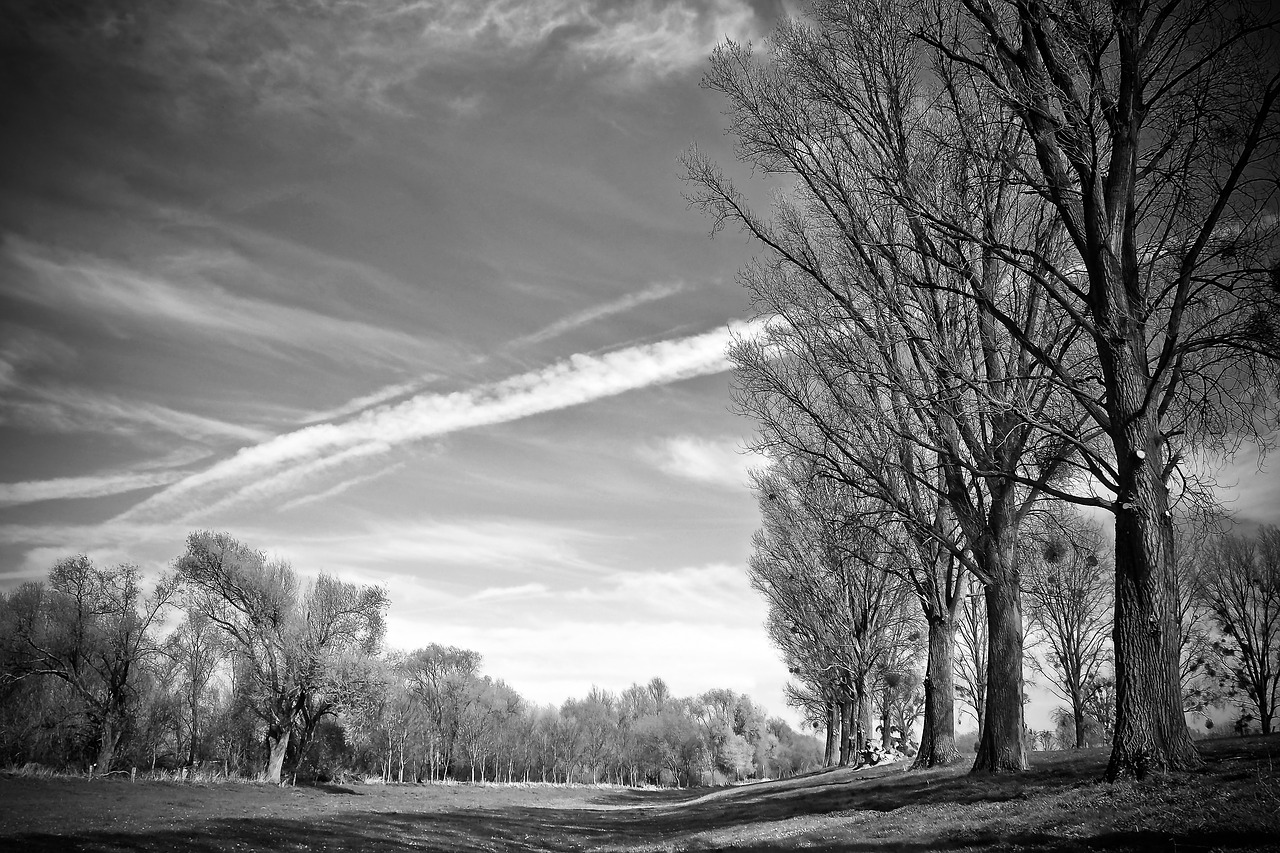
<point>110,730</point>
<point>193,756</point>
<point>277,745</point>
<point>846,721</point>
<point>886,735</point>
<point>1002,748</point>
<point>1077,715</point>
<point>1151,732</point>
<point>938,735</point>
<point>863,721</point>
<point>833,731</point>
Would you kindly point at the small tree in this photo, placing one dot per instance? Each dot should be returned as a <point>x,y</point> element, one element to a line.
<point>1068,586</point>
<point>1240,585</point>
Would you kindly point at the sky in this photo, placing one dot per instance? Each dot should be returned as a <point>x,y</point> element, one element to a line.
<point>402,291</point>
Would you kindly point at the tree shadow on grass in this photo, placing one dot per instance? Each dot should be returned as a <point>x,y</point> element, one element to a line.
<point>754,817</point>
<point>565,830</point>
<point>562,831</point>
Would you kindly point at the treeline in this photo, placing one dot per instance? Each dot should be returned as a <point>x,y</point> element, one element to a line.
<point>1028,262</point>
<point>232,661</point>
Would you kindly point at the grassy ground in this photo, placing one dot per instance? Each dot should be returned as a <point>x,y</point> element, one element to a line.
<point>1232,804</point>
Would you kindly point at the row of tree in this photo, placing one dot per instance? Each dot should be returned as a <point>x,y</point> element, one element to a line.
<point>233,660</point>
<point>1030,259</point>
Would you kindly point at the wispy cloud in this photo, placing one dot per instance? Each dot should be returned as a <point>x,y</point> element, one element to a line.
<point>359,404</point>
<point>60,409</point>
<point>338,489</point>
<point>295,57</point>
<point>151,546</point>
<point>62,488</point>
<point>281,464</point>
<point>184,297</point>
<point>635,40</point>
<point>427,547</point>
<point>720,462</point>
<point>652,293</point>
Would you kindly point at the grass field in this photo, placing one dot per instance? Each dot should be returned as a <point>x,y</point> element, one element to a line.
<point>1232,804</point>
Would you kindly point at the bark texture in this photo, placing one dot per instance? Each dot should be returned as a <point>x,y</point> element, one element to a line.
<point>1151,733</point>
<point>1002,748</point>
<point>938,734</point>
<point>833,728</point>
<point>277,746</point>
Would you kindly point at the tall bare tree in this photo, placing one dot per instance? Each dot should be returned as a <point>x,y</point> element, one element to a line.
<point>1151,129</point>
<point>835,598</point>
<point>869,330</point>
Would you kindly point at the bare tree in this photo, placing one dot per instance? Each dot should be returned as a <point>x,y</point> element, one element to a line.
<point>92,629</point>
<point>1151,130</point>
<point>971,662</point>
<point>1240,585</point>
<point>866,322</point>
<point>197,650</point>
<point>835,599</point>
<point>1204,673</point>
<point>286,639</point>
<point>441,677</point>
<point>1068,585</point>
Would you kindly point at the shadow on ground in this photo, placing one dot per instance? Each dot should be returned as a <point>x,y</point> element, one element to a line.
<point>723,819</point>
<point>575,830</point>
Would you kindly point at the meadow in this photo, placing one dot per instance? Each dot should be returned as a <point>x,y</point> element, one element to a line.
<point>1232,803</point>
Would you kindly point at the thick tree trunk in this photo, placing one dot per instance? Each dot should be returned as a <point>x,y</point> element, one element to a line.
<point>886,726</point>
<point>864,728</point>
<point>1077,715</point>
<point>277,745</point>
<point>1002,748</point>
<point>110,730</point>
<point>938,735</point>
<point>1151,732</point>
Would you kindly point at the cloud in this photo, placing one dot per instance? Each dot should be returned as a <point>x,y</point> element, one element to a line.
<point>62,488</point>
<point>359,404</point>
<point>67,410</point>
<point>697,627</point>
<point>636,41</point>
<point>183,297</point>
<point>338,489</point>
<point>385,549</point>
<point>562,658</point>
<point>714,594</point>
<point>720,462</point>
<point>651,293</point>
<point>32,402</point>
<point>150,546</point>
<point>278,465</point>
<point>299,57</point>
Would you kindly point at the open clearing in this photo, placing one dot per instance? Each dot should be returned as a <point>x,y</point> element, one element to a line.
<point>1232,804</point>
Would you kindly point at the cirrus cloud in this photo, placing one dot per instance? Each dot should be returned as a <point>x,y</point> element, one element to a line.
<point>285,463</point>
